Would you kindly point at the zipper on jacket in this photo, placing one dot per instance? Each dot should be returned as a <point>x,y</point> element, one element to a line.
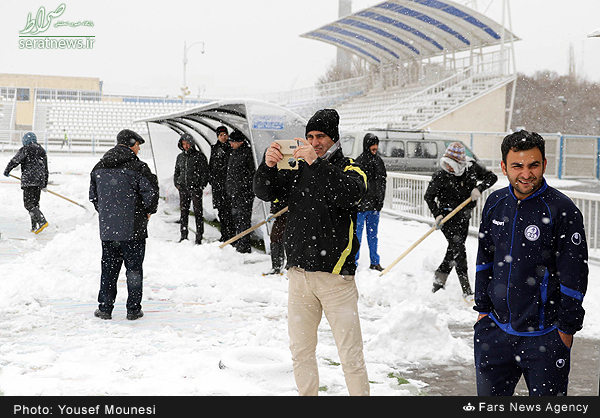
<point>512,241</point>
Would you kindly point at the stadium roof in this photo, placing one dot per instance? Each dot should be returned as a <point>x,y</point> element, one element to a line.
<point>407,30</point>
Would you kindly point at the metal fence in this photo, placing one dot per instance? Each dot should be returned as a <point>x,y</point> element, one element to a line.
<point>11,141</point>
<point>569,156</point>
<point>404,197</point>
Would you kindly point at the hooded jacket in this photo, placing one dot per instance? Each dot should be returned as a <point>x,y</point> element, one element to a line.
<point>323,198</point>
<point>124,191</point>
<point>446,191</point>
<point>191,168</point>
<point>34,165</point>
<point>532,262</point>
<point>374,168</point>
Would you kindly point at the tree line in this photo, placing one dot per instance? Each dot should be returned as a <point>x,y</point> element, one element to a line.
<point>549,102</point>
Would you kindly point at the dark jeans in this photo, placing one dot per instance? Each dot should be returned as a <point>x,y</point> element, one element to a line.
<point>277,248</point>
<point>114,253</point>
<point>223,207</point>
<point>31,201</point>
<point>241,211</point>
<point>186,198</point>
<point>456,231</point>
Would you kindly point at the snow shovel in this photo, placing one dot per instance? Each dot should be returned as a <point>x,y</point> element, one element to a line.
<point>55,194</point>
<point>412,247</point>
<point>258,225</point>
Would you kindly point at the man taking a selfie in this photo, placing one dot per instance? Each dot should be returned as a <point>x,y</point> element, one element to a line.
<point>321,244</point>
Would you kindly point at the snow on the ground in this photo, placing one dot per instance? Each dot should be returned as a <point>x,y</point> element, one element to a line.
<point>213,324</point>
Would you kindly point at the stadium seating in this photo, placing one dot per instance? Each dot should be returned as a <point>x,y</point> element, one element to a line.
<point>95,124</point>
<point>6,113</point>
<point>413,107</point>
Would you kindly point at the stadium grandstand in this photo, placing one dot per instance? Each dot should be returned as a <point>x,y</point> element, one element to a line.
<point>426,65</point>
<point>72,113</point>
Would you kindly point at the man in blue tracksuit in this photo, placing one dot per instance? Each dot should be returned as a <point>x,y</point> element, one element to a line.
<point>531,277</point>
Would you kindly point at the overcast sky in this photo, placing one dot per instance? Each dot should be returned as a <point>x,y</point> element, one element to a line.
<point>253,46</point>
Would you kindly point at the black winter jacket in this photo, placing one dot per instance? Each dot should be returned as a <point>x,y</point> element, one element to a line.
<point>34,166</point>
<point>446,191</point>
<point>323,198</point>
<point>191,169</point>
<point>217,166</point>
<point>124,191</point>
<point>240,171</point>
<point>374,168</point>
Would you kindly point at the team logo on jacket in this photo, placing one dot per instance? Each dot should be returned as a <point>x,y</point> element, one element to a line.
<point>576,238</point>
<point>532,233</point>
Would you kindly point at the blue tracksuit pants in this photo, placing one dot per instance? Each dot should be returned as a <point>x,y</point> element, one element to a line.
<point>501,358</point>
<point>371,218</point>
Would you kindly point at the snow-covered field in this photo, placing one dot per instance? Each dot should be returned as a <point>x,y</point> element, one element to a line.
<point>206,307</point>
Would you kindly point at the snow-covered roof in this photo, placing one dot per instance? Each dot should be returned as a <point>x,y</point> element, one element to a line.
<point>594,34</point>
<point>403,30</point>
<point>260,122</point>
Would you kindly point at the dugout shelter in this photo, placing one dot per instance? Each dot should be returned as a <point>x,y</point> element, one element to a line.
<point>260,122</point>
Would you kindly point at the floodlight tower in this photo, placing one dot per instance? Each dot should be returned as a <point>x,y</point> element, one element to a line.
<point>184,90</point>
<point>344,58</point>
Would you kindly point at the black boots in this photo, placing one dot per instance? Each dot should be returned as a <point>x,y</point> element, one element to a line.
<point>376,267</point>
<point>38,222</point>
<point>132,316</point>
<point>439,282</point>
<point>277,259</point>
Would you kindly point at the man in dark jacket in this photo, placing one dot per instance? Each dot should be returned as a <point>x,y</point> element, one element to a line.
<point>320,244</point>
<point>34,178</point>
<point>238,188</point>
<point>276,237</point>
<point>190,178</point>
<point>125,193</point>
<point>371,205</point>
<point>457,179</point>
<point>217,166</point>
<point>532,275</point>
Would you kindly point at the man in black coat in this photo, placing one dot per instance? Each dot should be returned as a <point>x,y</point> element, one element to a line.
<point>458,179</point>
<point>370,205</point>
<point>217,167</point>
<point>320,245</point>
<point>238,188</point>
<point>34,178</point>
<point>125,193</point>
<point>190,178</point>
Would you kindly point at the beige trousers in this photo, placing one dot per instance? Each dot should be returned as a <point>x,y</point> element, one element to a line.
<point>311,293</point>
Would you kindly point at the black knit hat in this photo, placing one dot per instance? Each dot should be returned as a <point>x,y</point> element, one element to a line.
<point>326,121</point>
<point>237,136</point>
<point>129,138</point>
<point>221,129</point>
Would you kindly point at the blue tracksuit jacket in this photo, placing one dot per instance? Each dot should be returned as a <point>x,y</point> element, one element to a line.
<point>532,262</point>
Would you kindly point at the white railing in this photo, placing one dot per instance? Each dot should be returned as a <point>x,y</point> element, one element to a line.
<point>405,192</point>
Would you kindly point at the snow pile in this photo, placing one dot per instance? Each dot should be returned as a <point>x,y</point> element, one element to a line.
<point>412,332</point>
<point>205,307</point>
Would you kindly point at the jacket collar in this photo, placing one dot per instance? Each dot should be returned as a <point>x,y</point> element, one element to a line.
<point>538,192</point>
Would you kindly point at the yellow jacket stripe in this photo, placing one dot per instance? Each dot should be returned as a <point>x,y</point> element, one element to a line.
<point>346,252</point>
<point>358,170</point>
